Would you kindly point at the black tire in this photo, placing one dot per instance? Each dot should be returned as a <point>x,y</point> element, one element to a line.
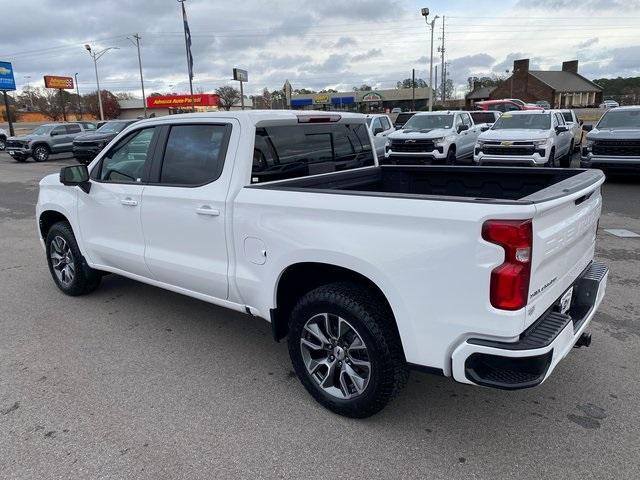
<point>373,322</point>
<point>85,279</point>
<point>565,162</point>
<point>451,157</point>
<point>3,143</point>
<point>40,153</point>
<point>20,159</point>
<point>551,163</point>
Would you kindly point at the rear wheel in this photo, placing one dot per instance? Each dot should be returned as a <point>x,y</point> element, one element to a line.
<point>3,143</point>
<point>67,265</point>
<point>41,153</point>
<point>345,349</point>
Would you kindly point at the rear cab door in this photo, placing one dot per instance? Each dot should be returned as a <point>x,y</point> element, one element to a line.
<point>73,130</point>
<point>184,205</point>
<point>58,138</point>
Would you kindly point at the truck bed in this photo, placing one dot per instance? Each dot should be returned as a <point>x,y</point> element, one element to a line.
<point>455,183</point>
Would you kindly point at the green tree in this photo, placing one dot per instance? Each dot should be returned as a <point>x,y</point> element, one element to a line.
<point>363,88</point>
<point>407,83</point>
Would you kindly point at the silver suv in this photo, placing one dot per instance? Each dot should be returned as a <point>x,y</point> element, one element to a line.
<point>45,140</point>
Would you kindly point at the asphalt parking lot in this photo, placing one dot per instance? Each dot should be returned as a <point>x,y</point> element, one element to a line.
<point>137,382</point>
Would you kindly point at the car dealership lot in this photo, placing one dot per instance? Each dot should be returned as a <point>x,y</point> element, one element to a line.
<point>134,381</point>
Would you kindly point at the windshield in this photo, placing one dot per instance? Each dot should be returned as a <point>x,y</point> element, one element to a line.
<point>369,120</point>
<point>523,121</point>
<point>42,130</point>
<point>429,122</point>
<point>113,127</point>
<point>620,119</point>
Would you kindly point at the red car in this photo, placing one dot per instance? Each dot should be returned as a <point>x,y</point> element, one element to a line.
<point>505,105</point>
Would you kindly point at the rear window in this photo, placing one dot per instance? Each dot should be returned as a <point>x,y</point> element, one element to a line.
<point>482,117</point>
<point>291,151</point>
<point>402,118</point>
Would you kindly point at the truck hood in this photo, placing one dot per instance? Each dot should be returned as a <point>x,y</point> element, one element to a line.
<point>617,134</point>
<point>96,137</point>
<point>518,135</point>
<point>423,134</point>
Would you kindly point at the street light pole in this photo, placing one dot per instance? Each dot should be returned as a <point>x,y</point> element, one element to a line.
<point>96,56</point>
<point>28,79</point>
<point>78,94</point>
<point>425,14</point>
<point>137,44</point>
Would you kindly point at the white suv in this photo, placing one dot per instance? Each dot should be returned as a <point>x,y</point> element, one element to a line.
<point>526,137</point>
<point>380,126</point>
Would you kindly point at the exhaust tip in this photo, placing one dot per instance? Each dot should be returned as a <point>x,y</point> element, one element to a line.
<point>584,340</point>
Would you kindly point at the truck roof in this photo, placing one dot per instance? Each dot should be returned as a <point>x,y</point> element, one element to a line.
<point>256,116</point>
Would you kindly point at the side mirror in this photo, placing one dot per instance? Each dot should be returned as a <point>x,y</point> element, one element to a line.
<point>76,175</point>
<point>462,128</point>
<point>484,128</point>
<point>587,128</point>
<point>561,128</point>
<point>377,131</point>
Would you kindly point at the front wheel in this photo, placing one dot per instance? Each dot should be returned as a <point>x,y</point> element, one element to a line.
<point>345,349</point>
<point>551,163</point>
<point>451,157</point>
<point>3,143</point>
<point>565,162</point>
<point>41,153</point>
<point>67,265</point>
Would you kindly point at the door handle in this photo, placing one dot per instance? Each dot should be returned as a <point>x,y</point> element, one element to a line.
<point>207,210</point>
<point>129,201</point>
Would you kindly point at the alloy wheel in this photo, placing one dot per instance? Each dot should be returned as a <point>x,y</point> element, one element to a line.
<point>62,260</point>
<point>335,356</point>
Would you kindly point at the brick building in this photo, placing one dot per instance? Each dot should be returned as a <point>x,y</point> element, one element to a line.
<point>561,88</point>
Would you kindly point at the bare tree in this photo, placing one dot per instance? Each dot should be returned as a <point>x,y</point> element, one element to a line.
<point>229,96</point>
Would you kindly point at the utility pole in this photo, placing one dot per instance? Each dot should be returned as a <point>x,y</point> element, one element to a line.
<point>187,44</point>
<point>413,89</point>
<point>435,86</point>
<point>442,50</point>
<point>78,94</point>
<point>9,120</point>
<point>144,98</point>
<point>28,79</point>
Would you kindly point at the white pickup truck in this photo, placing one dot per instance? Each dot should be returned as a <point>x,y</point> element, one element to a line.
<point>433,137</point>
<point>482,274</point>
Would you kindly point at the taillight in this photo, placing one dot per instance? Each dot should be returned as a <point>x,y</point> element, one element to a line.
<point>319,119</point>
<point>510,281</point>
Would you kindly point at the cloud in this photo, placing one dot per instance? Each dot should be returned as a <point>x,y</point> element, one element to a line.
<point>372,53</point>
<point>588,43</point>
<point>345,42</point>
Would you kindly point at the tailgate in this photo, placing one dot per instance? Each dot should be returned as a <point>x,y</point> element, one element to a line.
<point>564,233</point>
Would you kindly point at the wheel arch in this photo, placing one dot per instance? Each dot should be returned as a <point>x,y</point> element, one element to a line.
<point>300,278</point>
<point>48,218</point>
<point>41,144</point>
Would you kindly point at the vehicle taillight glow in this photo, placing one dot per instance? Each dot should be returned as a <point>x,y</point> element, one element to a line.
<point>510,281</point>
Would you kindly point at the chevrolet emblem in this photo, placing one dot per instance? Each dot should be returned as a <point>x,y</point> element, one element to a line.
<point>506,144</point>
<point>410,141</point>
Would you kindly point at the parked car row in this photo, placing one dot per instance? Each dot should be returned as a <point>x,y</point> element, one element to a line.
<point>84,139</point>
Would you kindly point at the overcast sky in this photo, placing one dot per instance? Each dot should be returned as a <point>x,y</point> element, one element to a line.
<point>314,44</point>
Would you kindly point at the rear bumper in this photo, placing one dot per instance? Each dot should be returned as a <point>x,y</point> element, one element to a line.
<point>529,361</point>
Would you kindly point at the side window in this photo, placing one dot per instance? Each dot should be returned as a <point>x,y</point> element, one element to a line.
<point>194,154</point>
<point>73,128</point>
<point>59,130</point>
<point>560,119</point>
<point>465,119</point>
<point>124,163</point>
<point>510,107</point>
<point>376,124</point>
<point>89,126</point>
<point>458,120</point>
<point>386,124</point>
<point>554,121</point>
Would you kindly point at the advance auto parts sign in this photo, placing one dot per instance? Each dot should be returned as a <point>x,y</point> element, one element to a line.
<point>53,81</point>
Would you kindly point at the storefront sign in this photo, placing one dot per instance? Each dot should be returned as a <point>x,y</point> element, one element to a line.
<point>177,101</point>
<point>61,83</point>
<point>372,97</point>
<point>321,98</point>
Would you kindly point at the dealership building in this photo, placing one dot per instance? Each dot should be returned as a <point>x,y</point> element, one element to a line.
<point>364,101</point>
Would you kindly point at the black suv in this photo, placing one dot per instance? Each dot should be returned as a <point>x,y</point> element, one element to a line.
<point>88,145</point>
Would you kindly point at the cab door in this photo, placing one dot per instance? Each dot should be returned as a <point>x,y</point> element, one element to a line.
<point>184,208</point>
<point>59,138</point>
<point>109,215</point>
